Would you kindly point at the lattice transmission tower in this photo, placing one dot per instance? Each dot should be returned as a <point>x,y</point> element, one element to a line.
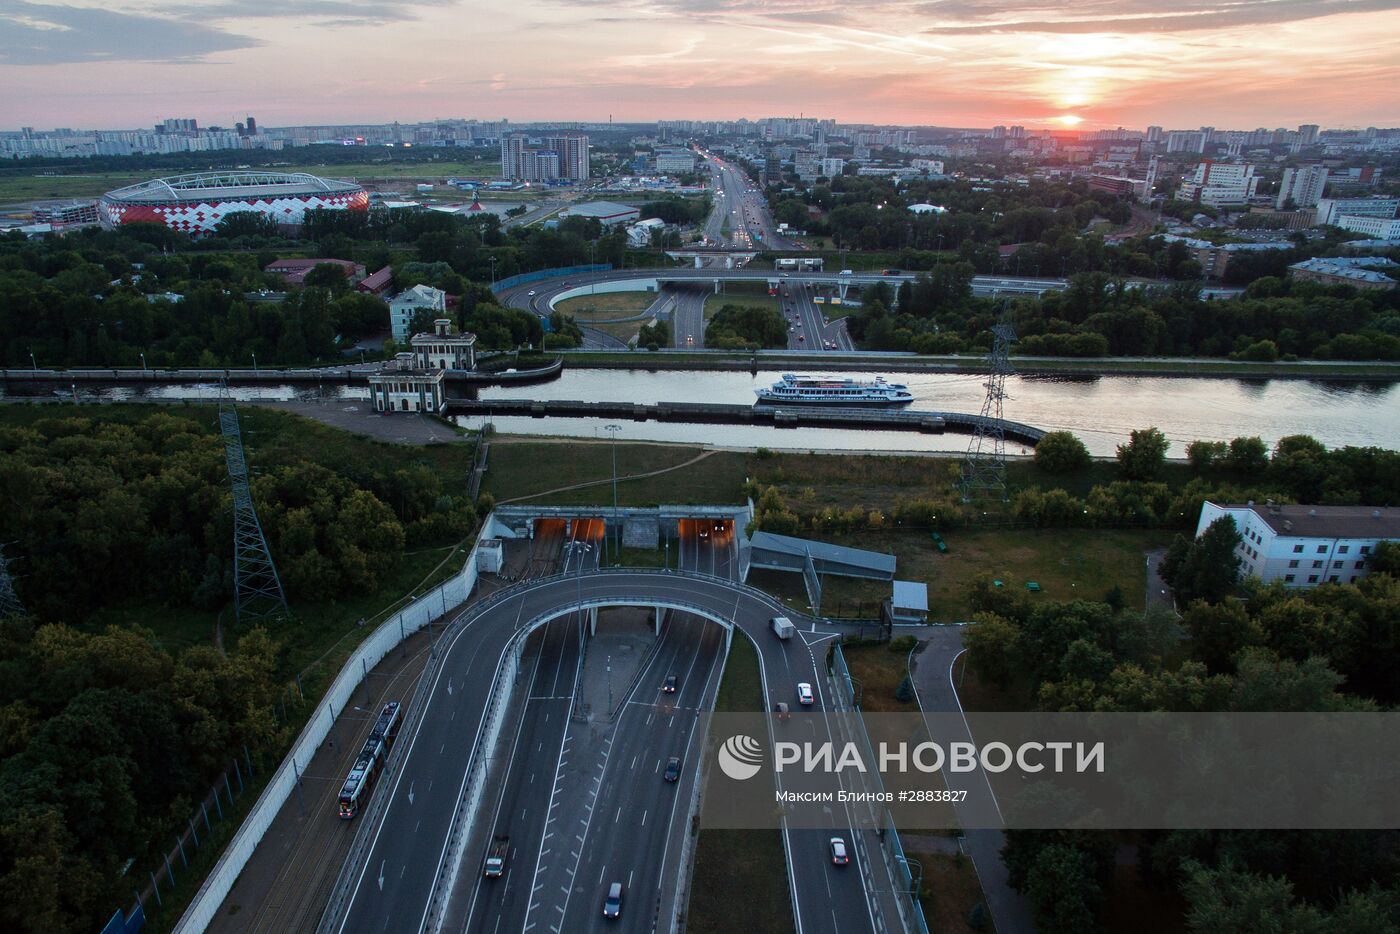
<point>984,466</point>
<point>257,588</point>
<point>9,600</point>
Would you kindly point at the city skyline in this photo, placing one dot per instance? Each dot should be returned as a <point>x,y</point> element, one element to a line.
<point>960,63</point>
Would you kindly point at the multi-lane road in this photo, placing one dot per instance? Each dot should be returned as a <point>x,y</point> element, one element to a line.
<point>630,813</point>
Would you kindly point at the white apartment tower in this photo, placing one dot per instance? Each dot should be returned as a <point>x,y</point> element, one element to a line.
<point>1303,186</point>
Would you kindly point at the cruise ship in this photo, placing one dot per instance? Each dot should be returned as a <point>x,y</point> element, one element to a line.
<point>830,390</point>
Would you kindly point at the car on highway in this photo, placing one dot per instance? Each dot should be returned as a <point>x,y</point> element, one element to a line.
<point>781,709</point>
<point>839,857</point>
<point>801,339</point>
<point>689,340</point>
<point>612,902</point>
<point>669,685</point>
<point>531,293</point>
<point>673,769</point>
<point>804,693</point>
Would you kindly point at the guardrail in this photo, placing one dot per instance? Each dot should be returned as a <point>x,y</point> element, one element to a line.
<point>418,614</point>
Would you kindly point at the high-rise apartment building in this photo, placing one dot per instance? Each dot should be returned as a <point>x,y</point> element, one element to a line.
<point>1186,141</point>
<point>1303,186</point>
<point>1307,134</point>
<point>1220,183</point>
<point>573,155</point>
<point>511,148</point>
<point>1154,134</point>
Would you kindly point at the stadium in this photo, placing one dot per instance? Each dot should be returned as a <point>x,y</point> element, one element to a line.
<point>195,204</point>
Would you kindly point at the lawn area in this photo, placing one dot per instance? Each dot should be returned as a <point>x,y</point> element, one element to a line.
<point>739,869</point>
<point>35,187</point>
<point>605,305</point>
<point>879,671</point>
<point>1067,563</point>
<point>949,891</point>
<point>596,310</point>
<point>530,468</point>
<point>758,299</point>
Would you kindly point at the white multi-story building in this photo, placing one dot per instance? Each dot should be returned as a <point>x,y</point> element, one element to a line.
<point>1330,209</point>
<point>1303,546</point>
<point>675,161</point>
<point>1381,228</point>
<point>406,304</point>
<point>832,167</point>
<point>403,387</point>
<point>931,166</point>
<point>1303,186</point>
<point>1221,183</point>
<point>444,350</point>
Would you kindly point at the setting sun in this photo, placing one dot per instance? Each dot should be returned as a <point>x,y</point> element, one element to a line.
<point>1069,120</point>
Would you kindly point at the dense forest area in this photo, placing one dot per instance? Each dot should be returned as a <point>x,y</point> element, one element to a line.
<point>107,735</point>
<point>1063,488</point>
<point>1099,315</point>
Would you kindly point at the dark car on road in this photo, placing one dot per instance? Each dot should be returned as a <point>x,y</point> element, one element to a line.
<point>669,685</point>
<point>673,769</point>
<point>612,903</point>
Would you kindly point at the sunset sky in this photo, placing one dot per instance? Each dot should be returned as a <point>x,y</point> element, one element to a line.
<point>1178,63</point>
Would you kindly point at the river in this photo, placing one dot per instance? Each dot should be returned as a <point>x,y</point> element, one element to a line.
<point>1100,410</point>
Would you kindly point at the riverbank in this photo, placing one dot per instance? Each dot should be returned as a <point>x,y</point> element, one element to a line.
<point>1335,370</point>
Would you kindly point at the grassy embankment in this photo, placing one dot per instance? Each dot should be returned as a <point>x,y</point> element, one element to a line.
<point>741,871</point>
<point>601,311</point>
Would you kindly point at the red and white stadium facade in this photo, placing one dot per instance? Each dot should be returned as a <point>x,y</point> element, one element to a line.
<point>194,204</point>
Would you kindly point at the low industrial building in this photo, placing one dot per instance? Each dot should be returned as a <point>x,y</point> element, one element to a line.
<point>294,271</point>
<point>405,387</point>
<point>607,212</point>
<point>1304,546</point>
<point>1361,272</point>
<point>376,283</point>
<point>443,349</point>
<point>785,553</point>
<point>908,604</point>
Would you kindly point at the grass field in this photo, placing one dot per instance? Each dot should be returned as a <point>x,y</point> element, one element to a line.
<point>739,873</point>
<point>949,891</point>
<point>530,468</point>
<point>759,299</point>
<point>595,310</point>
<point>1067,563</point>
<point>18,186</point>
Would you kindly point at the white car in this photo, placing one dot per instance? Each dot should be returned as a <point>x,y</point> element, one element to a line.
<point>804,693</point>
<point>531,293</point>
<point>838,852</point>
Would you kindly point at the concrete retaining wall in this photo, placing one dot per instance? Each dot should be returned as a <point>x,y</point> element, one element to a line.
<point>432,605</point>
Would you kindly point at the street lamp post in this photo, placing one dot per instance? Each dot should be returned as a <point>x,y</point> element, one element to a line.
<point>255,363</point>
<point>32,362</point>
<point>493,272</point>
<point>143,363</point>
<point>592,261</point>
<point>613,430</point>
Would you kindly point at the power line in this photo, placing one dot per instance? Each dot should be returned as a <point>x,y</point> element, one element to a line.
<point>257,588</point>
<point>983,472</point>
<point>9,600</point>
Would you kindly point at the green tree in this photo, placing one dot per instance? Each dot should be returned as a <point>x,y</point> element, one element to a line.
<point>992,648</point>
<point>1061,452</point>
<point>1064,891</point>
<point>327,276</point>
<point>1205,568</point>
<point>1144,455</point>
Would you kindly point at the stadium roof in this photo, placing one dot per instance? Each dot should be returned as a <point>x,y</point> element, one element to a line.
<point>229,185</point>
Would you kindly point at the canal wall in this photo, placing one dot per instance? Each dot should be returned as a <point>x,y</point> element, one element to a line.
<point>776,416</point>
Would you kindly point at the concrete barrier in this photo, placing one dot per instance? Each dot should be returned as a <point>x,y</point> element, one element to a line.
<point>385,638</point>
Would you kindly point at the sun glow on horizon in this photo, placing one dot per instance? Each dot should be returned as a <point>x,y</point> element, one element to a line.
<point>1069,120</point>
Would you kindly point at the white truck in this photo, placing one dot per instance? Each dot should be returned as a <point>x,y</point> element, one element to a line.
<point>783,627</point>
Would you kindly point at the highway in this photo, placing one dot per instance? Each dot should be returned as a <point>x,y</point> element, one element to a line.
<point>393,882</point>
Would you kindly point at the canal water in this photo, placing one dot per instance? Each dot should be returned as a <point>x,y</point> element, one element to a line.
<point>1100,410</point>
